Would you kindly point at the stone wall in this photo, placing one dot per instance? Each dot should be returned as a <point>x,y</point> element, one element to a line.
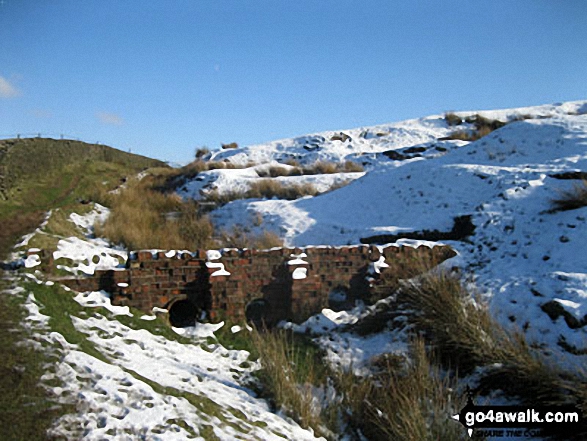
<point>273,285</point>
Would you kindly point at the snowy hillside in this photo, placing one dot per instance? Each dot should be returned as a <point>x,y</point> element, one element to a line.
<point>522,255</point>
<point>126,375</point>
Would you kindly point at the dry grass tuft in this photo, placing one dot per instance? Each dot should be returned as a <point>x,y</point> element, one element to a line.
<point>571,199</point>
<point>465,337</point>
<point>452,119</point>
<point>239,237</point>
<point>138,220</point>
<point>290,375</point>
<point>268,189</point>
<point>483,127</point>
<point>316,168</point>
<point>412,402</point>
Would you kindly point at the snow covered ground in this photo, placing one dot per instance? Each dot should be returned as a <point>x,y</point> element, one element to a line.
<point>136,382</point>
<point>128,381</point>
<point>522,255</point>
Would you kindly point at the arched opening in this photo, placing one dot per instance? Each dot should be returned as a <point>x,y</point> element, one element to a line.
<point>256,312</point>
<point>182,313</point>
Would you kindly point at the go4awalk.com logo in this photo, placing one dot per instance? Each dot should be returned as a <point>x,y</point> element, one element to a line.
<point>519,421</point>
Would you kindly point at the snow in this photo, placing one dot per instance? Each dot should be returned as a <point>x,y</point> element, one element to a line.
<point>299,273</point>
<point>521,256</point>
<point>86,222</point>
<point>88,255</point>
<point>221,271</point>
<point>101,298</point>
<point>32,261</point>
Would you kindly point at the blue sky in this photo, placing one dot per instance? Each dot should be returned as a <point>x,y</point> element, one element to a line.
<point>162,78</point>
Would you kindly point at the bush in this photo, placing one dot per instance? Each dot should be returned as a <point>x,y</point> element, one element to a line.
<point>232,145</point>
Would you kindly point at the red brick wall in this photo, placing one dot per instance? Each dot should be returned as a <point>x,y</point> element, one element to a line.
<point>154,280</point>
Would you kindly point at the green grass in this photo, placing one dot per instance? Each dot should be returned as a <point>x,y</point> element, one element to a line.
<point>25,409</point>
<point>37,175</point>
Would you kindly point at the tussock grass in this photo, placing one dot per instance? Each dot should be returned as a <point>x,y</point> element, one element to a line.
<point>316,168</point>
<point>483,127</point>
<point>264,189</point>
<point>457,327</point>
<point>464,337</point>
<point>277,170</point>
<point>239,237</point>
<point>138,220</point>
<point>268,189</point>
<point>409,402</point>
<point>452,119</point>
<point>325,167</point>
<point>571,199</point>
<point>290,375</point>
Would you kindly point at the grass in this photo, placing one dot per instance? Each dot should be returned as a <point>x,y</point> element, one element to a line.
<point>37,175</point>
<point>291,370</point>
<point>465,337</point>
<point>26,411</point>
<point>269,189</point>
<point>138,220</point>
<point>409,401</point>
<point>264,189</point>
<point>452,119</point>
<point>316,168</point>
<point>482,127</point>
<point>239,237</point>
<point>571,199</point>
<point>402,400</point>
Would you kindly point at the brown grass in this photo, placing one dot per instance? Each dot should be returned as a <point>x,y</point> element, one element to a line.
<point>138,220</point>
<point>239,237</point>
<point>452,119</point>
<point>290,373</point>
<point>571,199</point>
<point>464,336</point>
<point>483,127</point>
<point>411,401</point>
<point>316,168</point>
<point>268,189</point>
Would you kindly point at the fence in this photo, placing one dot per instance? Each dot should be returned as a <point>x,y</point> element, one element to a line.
<point>45,135</point>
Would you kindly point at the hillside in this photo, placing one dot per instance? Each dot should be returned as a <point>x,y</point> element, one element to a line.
<point>522,253</point>
<point>38,174</point>
<point>507,315</point>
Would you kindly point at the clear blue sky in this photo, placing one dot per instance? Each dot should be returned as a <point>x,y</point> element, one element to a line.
<point>164,77</point>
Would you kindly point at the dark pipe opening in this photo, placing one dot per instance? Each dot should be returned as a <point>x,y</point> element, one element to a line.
<point>183,313</point>
<point>256,312</point>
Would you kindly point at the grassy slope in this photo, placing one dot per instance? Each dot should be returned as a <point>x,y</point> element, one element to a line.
<point>37,175</point>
